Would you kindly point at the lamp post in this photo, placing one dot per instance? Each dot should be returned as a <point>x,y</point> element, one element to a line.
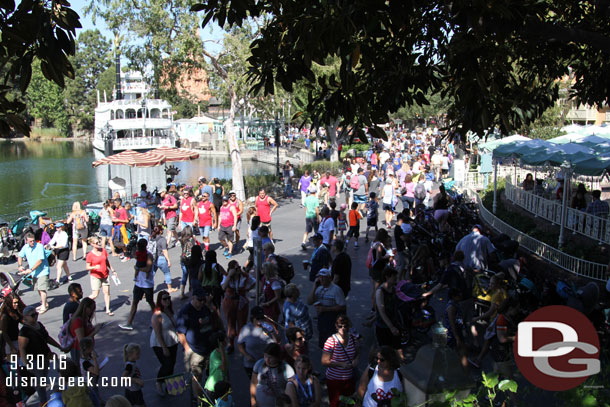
<point>277,145</point>
<point>107,136</point>
<point>144,121</point>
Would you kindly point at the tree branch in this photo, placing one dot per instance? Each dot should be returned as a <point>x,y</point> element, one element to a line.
<point>552,32</point>
<point>221,71</point>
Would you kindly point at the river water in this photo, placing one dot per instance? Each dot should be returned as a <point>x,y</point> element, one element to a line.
<point>38,175</point>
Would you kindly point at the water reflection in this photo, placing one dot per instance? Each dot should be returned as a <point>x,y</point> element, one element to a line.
<point>47,174</point>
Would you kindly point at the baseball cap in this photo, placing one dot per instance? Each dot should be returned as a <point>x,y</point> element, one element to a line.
<point>324,273</point>
<point>29,310</point>
<point>202,179</point>
<point>232,192</point>
<point>477,226</point>
<point>312,189</point>
<point>59,224</point>
<point>225,198</point>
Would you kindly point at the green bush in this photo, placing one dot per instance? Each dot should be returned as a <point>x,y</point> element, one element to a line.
<point>321,166</point>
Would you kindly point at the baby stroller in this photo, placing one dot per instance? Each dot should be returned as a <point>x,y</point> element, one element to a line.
<point>7,244</point>
<point>413,311</point>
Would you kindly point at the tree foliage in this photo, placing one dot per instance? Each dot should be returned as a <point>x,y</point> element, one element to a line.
<point>496,61</point>
<point>93,57</point>
<point>45,101</point>
<point>38,30</point>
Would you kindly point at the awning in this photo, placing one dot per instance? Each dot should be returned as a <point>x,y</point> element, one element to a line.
<point>171,154</point>
<point>132,159</point>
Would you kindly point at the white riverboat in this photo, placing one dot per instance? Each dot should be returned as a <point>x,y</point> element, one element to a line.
<point>133,120</point>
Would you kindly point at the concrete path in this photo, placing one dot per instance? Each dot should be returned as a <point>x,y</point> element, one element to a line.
<point>288,227</point>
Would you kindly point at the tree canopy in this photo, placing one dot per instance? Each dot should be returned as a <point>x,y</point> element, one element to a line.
<point>497,61</point>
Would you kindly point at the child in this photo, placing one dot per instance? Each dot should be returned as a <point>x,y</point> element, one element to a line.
<point>219,363</point>
<point>141,254</point>
<point>222,394</point>
<point>88,363</point>
<point>249,215</point>
<point>372,214</point>
<point>354,225</point>
<point>334,213</point>
<point>74,396</point>
<point>131,353</point>
<point>341,220</point>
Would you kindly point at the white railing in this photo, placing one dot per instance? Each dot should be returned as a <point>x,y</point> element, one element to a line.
<point>577,221</point>
<point>142,142</point>
<point>585,268</point>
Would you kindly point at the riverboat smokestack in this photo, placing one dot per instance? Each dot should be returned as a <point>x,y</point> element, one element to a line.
<point>117,63</point>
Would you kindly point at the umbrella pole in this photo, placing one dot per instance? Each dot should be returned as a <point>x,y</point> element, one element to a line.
<point>495,185</point>
<point>564,200</point>
<point>130,184</point>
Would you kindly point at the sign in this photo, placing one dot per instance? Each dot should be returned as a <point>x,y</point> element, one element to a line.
<point>557,348</point>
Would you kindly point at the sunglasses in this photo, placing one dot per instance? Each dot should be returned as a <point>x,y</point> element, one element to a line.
<point>341,326</point>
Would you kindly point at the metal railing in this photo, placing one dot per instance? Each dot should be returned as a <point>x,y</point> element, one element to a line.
<point>593,227</point>
<point>56,213</point>
<point>580,267</point>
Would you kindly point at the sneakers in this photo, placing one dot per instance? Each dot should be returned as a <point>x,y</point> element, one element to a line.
<point>125,259</point>
<point>356,245</point>
<point>226,252</point>
<point>303,246</point>
<point>69,278</point>
<point>228,256</point>
<point>126,327</point>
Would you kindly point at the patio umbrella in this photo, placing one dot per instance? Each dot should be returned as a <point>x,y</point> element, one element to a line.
<point>171,154</point>
<point>131,159</point>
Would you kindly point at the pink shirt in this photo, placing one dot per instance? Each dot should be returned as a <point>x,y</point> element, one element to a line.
<point>332,182</point>
<point>169,201</point>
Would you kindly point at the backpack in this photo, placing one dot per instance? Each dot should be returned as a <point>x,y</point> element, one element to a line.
<point>370,257</point>
<point>354,183</point>
<point>420,191</point>
<point>66,340</point>
<point>80,222</point>
<point>285,269</point>
<point>185,257</point>
<point>151,248</point>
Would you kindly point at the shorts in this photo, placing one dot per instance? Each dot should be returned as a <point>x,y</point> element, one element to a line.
<point>41,283</point>
<point>353,231</point>
<point>268,224</point>
<point>388,207</point>
<point>360,199</point>
<point>185,224</point>
<point>97,283</point>
<point>225,233</point>
<point>81,234</point>
<point>375,274</point>
<point>372,222</point>
<point>444,171</point>
<point>62,254</point>
<point>172,223</point>
<point>139,292</point>
<point>106,230</point>
<point>311,225</point>
<point>205,230</point>
<point>194,363</point>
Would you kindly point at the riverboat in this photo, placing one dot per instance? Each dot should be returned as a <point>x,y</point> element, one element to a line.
<point>133,120</point>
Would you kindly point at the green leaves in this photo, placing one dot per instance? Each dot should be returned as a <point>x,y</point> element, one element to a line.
<point>508,385</point>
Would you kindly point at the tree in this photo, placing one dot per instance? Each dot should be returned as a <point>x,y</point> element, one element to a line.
<point>497,61</point>
<point>92,58</point>
<point>45,101</point>
<point>38,30</point>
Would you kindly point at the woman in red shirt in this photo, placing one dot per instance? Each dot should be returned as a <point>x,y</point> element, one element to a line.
<point>99,266</point>
<point>80,325</point>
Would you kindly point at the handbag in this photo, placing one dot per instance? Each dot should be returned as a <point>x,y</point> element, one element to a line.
<point>355,370</point>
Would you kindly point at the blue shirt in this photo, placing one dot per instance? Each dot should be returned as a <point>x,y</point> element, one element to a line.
<point>298,314</point>
<point>32,255</point>
<point>208,189</point>
<point>196,325</point>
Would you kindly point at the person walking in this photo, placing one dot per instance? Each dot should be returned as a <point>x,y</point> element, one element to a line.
<point>144,282</point>
<point>320,257</point>
<point>106,214</point>
<point>188,208</point>
<point>236,203</point>
<point>206,218</point>
<point>79,220</point>
<point>59,245</point>
<point>38,264</point>
<point>99,269</point>
<point>164,338</point>
<point>265,206</point>
<point>161,256</point>
<point>304,182</point>
<point>169,204</point>
<point>312,213</point>
<point>228,226</point>
<point>235,304</point>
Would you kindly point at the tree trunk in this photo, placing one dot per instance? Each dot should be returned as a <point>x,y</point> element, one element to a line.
<point>238,174</point>
<point>334,143</point>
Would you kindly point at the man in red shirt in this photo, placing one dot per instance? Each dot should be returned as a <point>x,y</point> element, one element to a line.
<point>265,206</point>
<point>169,206</point>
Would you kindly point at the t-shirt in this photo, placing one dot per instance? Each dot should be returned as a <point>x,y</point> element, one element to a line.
<point>330,296</point>
<point>69,309</point>
<point>161,245</point>
<point>169,201</point>
<point>254,339</point>
<point>271,382</point>
<point>305,181</point>
<point>398,234</point>
<point>362,189</point>
<point>145,280</point>
<point>372,209</point>
<point>121,214</point>
<point>298,314</point>
<point>196,325</point>
<point>342,267</point>
<point>95,259</point>
<point>33,255</point>
<point>332,184</point>
<point>354,217</point>
<point>80,323</point>
<point>347,353</point>
<point>216,374</point>
<point>453,277</point>
<point>311,203</point>
<point>37,344</point>
<point>326,226</point>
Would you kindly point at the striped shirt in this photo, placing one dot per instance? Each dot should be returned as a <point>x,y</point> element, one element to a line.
<point>340,354</point>
<point>298,314</point>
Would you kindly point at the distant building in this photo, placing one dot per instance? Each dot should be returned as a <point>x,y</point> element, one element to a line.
<point>194,81</point>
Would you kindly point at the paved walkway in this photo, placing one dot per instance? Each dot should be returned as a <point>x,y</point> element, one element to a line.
<point>288,227</point>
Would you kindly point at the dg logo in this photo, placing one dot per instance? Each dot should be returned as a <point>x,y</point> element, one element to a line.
<point>557,348</point>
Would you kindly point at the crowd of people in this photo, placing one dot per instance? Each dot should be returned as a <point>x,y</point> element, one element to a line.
<point>400,177</point>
